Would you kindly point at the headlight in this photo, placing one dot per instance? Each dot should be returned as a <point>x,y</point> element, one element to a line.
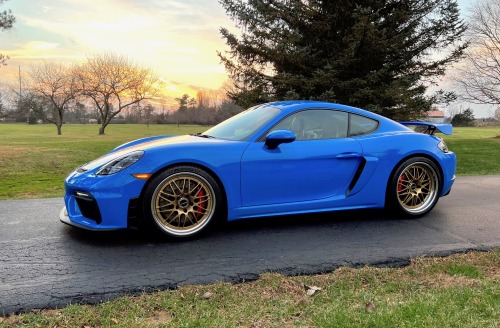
<point>443,147</point>
<point>120,163</point>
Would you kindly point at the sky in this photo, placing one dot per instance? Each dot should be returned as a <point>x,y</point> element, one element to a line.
<point>178,39</point>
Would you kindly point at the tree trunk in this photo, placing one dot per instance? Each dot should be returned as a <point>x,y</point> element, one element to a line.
<point>104,123</point>
<point>59,121</point>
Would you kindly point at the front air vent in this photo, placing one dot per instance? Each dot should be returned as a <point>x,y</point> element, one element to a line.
<point>88,206</point>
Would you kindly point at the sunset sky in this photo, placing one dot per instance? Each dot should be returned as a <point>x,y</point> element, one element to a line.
<point>179,39</point>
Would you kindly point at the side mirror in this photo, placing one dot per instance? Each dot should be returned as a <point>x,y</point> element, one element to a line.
<point>275,138</point>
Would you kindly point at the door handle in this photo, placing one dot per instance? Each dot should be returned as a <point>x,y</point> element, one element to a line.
<point>348,155</point>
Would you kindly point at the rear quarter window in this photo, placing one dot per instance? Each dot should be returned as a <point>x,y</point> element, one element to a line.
<point>361,125</point>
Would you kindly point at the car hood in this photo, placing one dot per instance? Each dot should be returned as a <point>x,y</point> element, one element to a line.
<point>148,144</point>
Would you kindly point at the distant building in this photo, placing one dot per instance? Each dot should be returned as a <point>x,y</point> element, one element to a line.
<point>435,116</point>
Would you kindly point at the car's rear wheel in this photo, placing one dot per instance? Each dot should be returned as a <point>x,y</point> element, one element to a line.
<point>182,201</point>
<point>414,187</point>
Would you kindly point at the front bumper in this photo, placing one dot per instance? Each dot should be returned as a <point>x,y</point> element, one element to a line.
<point>64,217</point>
<point>99,202</point>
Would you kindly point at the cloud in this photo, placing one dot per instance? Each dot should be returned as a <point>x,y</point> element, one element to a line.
<point>34,49</point>
<point>179,39</point>
<point>40,45</point>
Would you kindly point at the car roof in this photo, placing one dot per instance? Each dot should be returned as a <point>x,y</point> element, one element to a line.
<point>290,106</point>
<point>294,105</point>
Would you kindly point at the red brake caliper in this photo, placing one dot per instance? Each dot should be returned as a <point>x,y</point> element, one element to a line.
<point>202,206</point>
<point>400,183</point>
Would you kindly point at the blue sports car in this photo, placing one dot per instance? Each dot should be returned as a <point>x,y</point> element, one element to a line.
<point>273,159</point>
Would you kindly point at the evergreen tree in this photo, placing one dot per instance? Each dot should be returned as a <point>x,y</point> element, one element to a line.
<point>375,54</point>
<point>6,22</point>
<point>183,102</point>
<point>465,118</point>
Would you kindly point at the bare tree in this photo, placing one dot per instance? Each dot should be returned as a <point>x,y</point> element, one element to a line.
<point>479,77</point>
<point>497,114</point>
<point>210,98</point>
<point>113,83</point>
<point>56,83</point>
<point>34,107</point>
<point>148,111</point>
<point>453,110</point>
<point>10,106</point>
<point>3,111</point>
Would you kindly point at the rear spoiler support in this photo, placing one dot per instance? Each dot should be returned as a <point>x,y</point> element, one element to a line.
<point>430,127</point>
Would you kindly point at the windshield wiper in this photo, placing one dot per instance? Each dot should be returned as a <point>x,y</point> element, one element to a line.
<point>201,135</point>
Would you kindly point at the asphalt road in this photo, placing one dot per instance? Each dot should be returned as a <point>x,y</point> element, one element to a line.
<point>44,263</point>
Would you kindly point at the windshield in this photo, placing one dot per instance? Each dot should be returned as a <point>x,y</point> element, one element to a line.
<point>242,126</point>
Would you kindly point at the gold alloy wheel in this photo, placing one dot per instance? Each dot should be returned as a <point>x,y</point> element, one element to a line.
<point>183,204</point>
<point>417,187</point>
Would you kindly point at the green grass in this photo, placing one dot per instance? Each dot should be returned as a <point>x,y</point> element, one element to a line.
<point>477,150</point>
<point>34,160</point>
<point>458,291</point>
<point>423,294</point>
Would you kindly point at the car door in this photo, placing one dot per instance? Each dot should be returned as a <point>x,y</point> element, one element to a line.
<point>320,163</point>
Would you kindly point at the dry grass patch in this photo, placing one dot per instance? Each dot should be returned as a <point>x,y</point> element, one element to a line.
<point>10,152</point>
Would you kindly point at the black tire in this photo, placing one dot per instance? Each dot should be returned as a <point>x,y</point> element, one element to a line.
<point>414,187</point>
<point>182,201</point>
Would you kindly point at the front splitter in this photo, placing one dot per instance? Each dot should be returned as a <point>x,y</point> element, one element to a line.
<point>64,217</point>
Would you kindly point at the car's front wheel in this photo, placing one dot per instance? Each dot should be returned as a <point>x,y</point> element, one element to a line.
<point>182,201</point>
<point>414,187</point>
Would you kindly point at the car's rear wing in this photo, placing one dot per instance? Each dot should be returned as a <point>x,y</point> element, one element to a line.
<point>430,127</point>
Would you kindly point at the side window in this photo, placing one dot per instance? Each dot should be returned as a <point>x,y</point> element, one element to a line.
<point>361,125</point>
<point>315,124</point>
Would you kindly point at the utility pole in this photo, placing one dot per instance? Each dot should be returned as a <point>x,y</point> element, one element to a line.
<point>20,87</point>
<point>20,95</point>
<point>19,110</point>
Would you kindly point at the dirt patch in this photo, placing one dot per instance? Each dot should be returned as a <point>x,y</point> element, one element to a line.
<point>160,318</point>
<point>7,152</point>
<point>497,137</point>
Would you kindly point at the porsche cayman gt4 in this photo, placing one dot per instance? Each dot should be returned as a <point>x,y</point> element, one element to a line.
<point>278,158</point>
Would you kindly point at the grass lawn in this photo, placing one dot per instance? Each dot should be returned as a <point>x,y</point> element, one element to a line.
<point>457,291</point>
<point>34,161</point>
<point>477,149</point>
